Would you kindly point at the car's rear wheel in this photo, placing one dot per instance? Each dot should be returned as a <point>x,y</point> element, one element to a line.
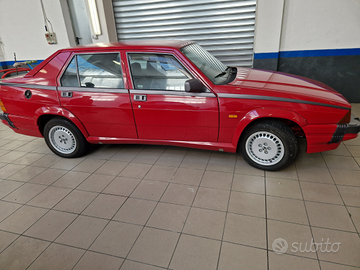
<point>269,145</point>
<point>64,138</point>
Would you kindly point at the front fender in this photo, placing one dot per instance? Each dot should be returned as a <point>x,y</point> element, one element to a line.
<point>59,111</point>
<point>266,113</point>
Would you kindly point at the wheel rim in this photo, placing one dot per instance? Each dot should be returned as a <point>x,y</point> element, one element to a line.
<point>62,139</point>
<point>265,148</point>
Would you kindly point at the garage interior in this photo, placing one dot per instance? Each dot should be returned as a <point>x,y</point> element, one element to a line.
<point>159,207</point>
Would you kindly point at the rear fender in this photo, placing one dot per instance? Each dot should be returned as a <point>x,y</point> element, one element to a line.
<point>59,111</point>
<point>265,113</point>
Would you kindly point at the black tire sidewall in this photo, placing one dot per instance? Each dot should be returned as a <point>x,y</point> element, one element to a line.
<point>283,132</point>
<point>80,140</point>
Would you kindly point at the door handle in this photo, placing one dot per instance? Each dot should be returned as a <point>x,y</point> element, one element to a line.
<point>66,94</point>
<point>140,97</point>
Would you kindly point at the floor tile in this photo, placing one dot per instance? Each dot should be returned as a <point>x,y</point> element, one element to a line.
<point>149,155</point>
<point>116,239</point>
<point>130,265</point>
<point>95,261</point>
<point>76,201</point>
<point>26,174</point>
<point>135,170</point>
<point>22,219</point>
<point>50,225</point>
<point>112,167</point>
<point>342,150</point>
<point>25,193</point>
<point>283,188</point>
<point>12,156</point>
<point>335,266</point>
<point>149,190</point>
<point>245,230</point>
<point>346,177</point>
<point>71,179</point>
<point>122,186</point>
<point>205,223</point>
<point>222,162</point>
<point>6,187</point>
<point>350,195</point>
<point>6,239</point>
<point>242,167</point>
<point>46,161</point>
<point>96,182</point>
<point>340,162</point>
<point>48,176</point>
<point>249,258</point>
<point>67,163</point>
<point>215,199</point>
<point>104,206</point>
<point>179,194</point>
<point>21,253</point>
<point>313,161</point>
<point>195,253</point>
<point>318,175</point>
<point>89,165</point>
<point>354,213</point>
<point>344,247</point>
<point>49,197</point>
<point>285,262</point>
<point>104,151</point>
<point>135,211</point>
<point>127,153</point>
<point>354,150</point>
<point>10,169</point>
<point>248,183</point>
<point>323,215</point>
<point>220,180</point>
<point>287,173</point>
<point>168,217</point>
<point>172,157</point>
<point>188,176</point>
<point>57,257</point>
<point>82,232</point>
<point>28,158</point>
<point>7,208</point>
<point>154,247</point>
<point>161,173</point>
<point>284,209</point>
<point>196,159</point>
<point>247,204</point>
<point>318,192</point>
<point>297,236</point>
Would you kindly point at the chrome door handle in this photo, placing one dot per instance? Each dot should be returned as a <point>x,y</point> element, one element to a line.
<point>66,94</point>
<point>140,97</point>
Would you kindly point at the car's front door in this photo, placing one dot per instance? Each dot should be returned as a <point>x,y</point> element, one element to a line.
<point>92,88</point>
<point>162,108</point>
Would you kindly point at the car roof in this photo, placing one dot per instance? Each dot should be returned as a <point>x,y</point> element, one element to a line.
<point>133,44</point>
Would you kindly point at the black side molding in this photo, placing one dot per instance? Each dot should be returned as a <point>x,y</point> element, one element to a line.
<point>351,128</point>
<point>4,116</point>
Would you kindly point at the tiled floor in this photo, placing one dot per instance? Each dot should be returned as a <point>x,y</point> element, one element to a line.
<point>153,207</point>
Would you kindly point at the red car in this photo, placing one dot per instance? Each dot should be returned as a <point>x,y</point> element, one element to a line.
<point>173,93</point>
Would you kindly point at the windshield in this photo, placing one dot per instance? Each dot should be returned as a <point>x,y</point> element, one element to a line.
<point>216,71</point>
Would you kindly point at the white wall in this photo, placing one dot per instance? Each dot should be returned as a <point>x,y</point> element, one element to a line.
<point>22,29</point>
<point>307,25</point>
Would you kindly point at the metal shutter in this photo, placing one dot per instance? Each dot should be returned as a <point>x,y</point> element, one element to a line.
<point>224,28</point>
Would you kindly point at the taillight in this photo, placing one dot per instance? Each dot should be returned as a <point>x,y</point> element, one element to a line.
<point>2,106</point>
<point>346,119</point>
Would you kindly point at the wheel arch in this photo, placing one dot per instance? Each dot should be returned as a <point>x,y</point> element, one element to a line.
<point>290,118</point>
<point>45,114</point>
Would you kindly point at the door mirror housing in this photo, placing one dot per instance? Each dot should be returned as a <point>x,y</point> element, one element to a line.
<point>194,85</point>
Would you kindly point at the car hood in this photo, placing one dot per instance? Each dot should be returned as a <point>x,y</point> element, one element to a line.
<point>283,86</point>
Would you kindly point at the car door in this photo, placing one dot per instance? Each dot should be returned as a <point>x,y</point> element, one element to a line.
<point>92,88</point>
<point>162,108</point>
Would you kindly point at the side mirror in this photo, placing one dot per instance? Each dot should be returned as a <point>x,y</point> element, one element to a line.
<point>194,85</point>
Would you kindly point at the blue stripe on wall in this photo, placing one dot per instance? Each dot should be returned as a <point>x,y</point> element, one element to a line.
<point>308,53</point>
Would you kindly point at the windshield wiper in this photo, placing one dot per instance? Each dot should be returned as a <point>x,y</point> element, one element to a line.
<point>222,73</point>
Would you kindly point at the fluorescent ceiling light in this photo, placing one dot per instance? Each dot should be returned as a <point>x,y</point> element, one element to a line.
<point>94,17</point>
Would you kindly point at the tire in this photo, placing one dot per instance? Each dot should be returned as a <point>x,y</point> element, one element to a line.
<point>269,145</point>
<point>64,138</point>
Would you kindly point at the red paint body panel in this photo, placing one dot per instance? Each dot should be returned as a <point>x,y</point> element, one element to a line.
<point>175,118</point>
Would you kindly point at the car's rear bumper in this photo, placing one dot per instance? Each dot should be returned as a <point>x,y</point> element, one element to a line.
<point>4,117</point>
<point>346,129</point>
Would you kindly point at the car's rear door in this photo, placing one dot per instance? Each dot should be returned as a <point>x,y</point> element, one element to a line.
<point>162,108</point>
<point>92,88</point>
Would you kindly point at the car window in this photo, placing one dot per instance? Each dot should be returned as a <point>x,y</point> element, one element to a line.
<point>157,72</point>
<point>101,70</point>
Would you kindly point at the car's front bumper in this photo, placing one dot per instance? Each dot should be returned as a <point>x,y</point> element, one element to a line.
<point>343,129</point>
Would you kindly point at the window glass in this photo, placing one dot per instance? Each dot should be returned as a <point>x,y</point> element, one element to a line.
<point>101,70</point>
<point>157,72</point>
<point>70,76</point>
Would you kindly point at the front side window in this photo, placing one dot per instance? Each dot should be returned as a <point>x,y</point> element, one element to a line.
<point>157,72</point>
<point>101,70</point>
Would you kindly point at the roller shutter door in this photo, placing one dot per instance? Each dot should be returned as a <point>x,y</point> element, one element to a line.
<point>224,28</point>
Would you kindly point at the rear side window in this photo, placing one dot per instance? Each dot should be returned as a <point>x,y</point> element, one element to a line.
<point>100,70</point>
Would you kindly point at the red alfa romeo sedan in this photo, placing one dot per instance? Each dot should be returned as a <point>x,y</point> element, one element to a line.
<point>173,93</point>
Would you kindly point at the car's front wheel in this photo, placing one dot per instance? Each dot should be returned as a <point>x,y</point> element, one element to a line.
<point>64,138</point>
<point>269,145</point>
